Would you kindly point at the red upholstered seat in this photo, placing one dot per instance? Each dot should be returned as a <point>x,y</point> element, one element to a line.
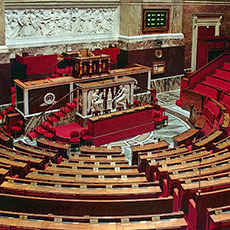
<point>164,120</point>
<point>15,130</point>
<point>85,138</point>
<point>4,112</point>
<point>40,130</point>
<point>75,140</point>
<point>32,135</point>
<point>52,119</point>
<point>158,122</point>
<point>45,125</point>
<point>51,134</point>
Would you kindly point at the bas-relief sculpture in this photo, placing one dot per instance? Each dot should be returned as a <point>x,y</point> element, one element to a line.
<point>110,98</point>
<point>36,23</point>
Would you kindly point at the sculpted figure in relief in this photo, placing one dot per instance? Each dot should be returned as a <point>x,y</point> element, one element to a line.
<point>122,96</point>
<point>95,101</point>
<point>58,22</point>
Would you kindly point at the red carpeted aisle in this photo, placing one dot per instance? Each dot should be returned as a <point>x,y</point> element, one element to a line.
<point>63,132</point>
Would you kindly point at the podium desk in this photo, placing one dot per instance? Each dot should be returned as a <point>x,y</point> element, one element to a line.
<point>121,125</point>
<point>35,96</point>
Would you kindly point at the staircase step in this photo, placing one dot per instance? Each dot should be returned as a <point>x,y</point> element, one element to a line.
<point>66,109</point>
<point>227,66</point>
<point>71,105</point>
<point>52,119</point>
<point>45,124</point>
<point>59,114</point>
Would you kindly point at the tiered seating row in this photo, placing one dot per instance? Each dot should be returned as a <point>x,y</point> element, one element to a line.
<point>41,221</point>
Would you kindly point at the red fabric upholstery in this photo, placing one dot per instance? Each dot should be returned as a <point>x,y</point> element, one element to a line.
<point>66,109</point>
<point>49,135</point>
<point>221,84</point>
<point>40,130</point>
<point>222,74</point>
<point>71,105</point>
<point>37,64</point>
<point>52,119</point>
<point>226,66</point>
<point>16,128</point>
<point>192,214</point>
<point>206,90</point>
<point>74,134</point>
<point>74,140</point>
<point>32,135</point>
<point>59,114</point>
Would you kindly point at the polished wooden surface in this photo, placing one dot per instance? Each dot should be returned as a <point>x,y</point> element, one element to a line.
<point>190,134</point>
<point>100,150</point>
<point>36,84</point>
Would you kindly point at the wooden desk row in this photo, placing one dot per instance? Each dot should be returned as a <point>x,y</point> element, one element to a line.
<point>83,165</point>
<point>173,162</point>
<point>207,140</point>
<point>174,177</point>
<point>105,164</point>
<point>98,158</point>
<point>218,218</point>
<point>5,138</point>
<point>22,146</point>
<point>144,157</point>
<point>34,160</point>
<point>72,177</point>
<point>197,207</point>
<point>79,207</point>
<point>63,149</point>
<point>40,221</point>
<point>188,188</point>
<point>111,172</point>
<point>100,150</point>
<point>186,137</point>
<point>164,170</point>
<point>222,144</point>
<point>66,184</point>
<point>79,192</point>
<point>147,148</point>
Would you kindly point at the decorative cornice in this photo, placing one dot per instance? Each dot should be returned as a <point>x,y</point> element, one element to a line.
<point>150,37</point>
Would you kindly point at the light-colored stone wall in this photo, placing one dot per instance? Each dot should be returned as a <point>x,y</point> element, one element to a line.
<point>2,23</point>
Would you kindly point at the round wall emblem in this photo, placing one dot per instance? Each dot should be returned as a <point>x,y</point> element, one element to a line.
<point>158,53</point>
<point>49,98</point>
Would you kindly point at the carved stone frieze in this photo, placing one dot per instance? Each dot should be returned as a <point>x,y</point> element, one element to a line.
<point>49,23</point>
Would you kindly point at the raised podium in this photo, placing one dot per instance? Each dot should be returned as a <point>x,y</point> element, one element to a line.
<point>33,97</point>
<point>121,125</point>
<point>87,64</point>
<point>103,96</point>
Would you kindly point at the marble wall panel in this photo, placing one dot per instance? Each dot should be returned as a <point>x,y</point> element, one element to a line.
<point>51,49</point>
<point>166,84</point>
<point>2,22</point>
